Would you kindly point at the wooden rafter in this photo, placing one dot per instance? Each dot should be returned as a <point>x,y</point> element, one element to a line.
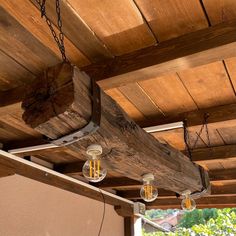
<point>216,116</point>
<point>187,51</point>
<point>216,191</point>
<point>207,202</point>
<point>214,154</point>
<point>65,105</point>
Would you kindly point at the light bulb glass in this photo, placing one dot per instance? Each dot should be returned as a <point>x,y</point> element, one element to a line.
<point>148,192</point>
<point>188,204</point>
<point>93,170</point>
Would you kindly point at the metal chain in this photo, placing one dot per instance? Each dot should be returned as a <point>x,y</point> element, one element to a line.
<point>186,140</point>
<point>60,38</point>
<point>186,136</point>
<point>207,131</point>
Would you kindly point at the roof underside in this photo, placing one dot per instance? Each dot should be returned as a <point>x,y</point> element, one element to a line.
<point>99,30</point>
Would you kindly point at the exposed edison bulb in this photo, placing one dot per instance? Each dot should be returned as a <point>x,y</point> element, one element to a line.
<point>188,204</point>
<point>149,191</point>
<point>92,168</point>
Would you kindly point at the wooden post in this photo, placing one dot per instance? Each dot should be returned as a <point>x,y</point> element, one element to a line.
<point>129,226</point>
<point>59,102</point>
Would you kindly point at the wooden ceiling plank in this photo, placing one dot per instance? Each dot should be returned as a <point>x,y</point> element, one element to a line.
<point>228,134</point>
<point>169,100</point>
<point>172,18</point>
<point>128,107</point>
<point>15,75</point>
<point>187,51</point>
<point>141,100</point>
<point>77,31</point>
<point>230,64</point>
<point>30,18</point>
<point>220,10</point>
<point>116,132</point>
<point>21,45</point>
<point>208,85</point>
<point>174,137</point>
<point>118,24</point>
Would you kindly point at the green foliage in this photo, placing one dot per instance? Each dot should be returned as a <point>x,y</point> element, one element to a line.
<point>160,214</point>
<point>208,222</point>
<point>197,217</point>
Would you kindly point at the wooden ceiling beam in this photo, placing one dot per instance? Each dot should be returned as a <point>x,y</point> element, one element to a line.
<point>194,49</point>
<point>214,154</point>
<point>223,175</point>
<point>216,191</point>
<point>68,108</point>
<point>219,115</point>
<point>206,202</point>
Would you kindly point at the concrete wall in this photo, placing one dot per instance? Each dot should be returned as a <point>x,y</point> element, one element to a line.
<point>30,208</point>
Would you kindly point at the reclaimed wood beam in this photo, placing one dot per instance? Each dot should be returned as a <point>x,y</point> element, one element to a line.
<point>223,175</point>
<point>206,202</point>
<point>59,102</point>
<point>45,175</point>
<point>194,49</point>
<point>200,155</point>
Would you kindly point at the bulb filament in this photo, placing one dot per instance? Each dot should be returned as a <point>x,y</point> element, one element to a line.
<point>148,191</point>
<point>188,202</point>
<point>94,168</point>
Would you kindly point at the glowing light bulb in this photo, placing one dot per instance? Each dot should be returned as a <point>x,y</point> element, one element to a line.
<point>92,168</point>
<point>188,204</point>
<point>149,191</point>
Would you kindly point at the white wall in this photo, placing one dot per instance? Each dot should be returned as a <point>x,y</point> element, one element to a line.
<point>30,208</point>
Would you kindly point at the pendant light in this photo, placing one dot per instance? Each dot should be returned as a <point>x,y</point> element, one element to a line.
<point>92,169</point>
<point>149,191</point>
<point>188,204</point>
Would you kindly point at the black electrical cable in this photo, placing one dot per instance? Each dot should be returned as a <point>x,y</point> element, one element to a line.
<point>104,212</point>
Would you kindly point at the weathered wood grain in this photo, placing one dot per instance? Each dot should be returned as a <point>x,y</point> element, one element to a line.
<point>59,102</point>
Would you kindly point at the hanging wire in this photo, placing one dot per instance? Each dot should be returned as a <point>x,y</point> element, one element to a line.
<point>59,39</point>
<point>104,212</point>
